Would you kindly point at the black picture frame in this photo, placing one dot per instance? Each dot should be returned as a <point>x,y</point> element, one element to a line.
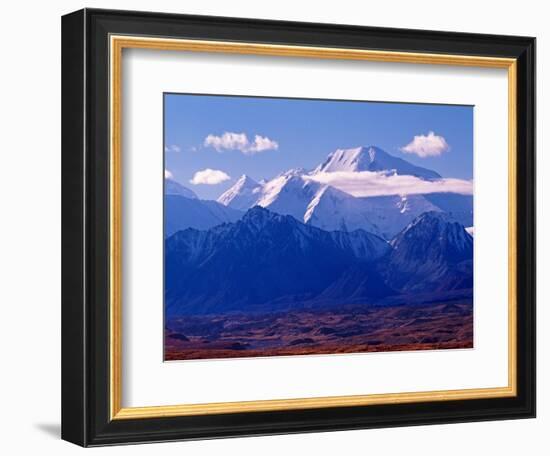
<point>85,228</point>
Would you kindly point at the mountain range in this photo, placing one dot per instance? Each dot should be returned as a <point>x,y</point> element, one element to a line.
<point>294,242</point>
<point>324,206</point>
<point>272,262</point>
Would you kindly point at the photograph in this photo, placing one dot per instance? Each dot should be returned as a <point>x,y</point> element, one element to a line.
<point>316,226</point>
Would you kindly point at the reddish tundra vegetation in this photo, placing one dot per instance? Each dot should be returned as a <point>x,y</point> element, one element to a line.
<point>447,325</point>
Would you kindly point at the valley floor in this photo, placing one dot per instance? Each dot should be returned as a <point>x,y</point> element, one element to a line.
<point>357,329</point>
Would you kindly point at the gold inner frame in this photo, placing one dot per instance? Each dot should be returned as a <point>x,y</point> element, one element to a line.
<point>117,44</point>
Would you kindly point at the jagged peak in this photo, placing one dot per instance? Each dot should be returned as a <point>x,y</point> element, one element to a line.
<point>431,222</point>
<point>257,212</point>
<point>351,159</point>
<point>439,216</point>
<point>359,151</point>
<point>258,217</point>
<point>246,181</point>
<point>371,158</point>
<point>245,188</point>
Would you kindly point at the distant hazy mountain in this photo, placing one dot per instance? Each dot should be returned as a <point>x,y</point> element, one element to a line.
<point>332,209</point>
<point>181,213</point>
<point>183,209</point>
<point>171,187</point>
<point>262,258</point>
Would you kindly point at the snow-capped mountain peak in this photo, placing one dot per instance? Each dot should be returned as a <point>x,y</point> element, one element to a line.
<point>371,158</point>
<point>246,182</point>
<point>327,202</point>
<point>242,195</point>
<point>288,194</point>
<point>344,160</point>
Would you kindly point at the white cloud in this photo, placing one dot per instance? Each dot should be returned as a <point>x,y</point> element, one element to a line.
<point>367,183</point>
<point>240,141</point>
<point>228,140</point>
<point>430,145</point>
<point>262,143</point>
<point>172,148</point>
<point>209,177</point>
<point>168,174</point>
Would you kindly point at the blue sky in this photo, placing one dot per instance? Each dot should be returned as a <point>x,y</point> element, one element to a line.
<point>301,133</point>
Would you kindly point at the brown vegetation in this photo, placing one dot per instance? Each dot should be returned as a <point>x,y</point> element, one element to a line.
<point>348,330</point>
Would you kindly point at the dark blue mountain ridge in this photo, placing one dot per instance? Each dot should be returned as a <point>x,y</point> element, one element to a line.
<point>433,253</point>
<point>262,258</point>
<point>431,261</point>
<point>272,262</point>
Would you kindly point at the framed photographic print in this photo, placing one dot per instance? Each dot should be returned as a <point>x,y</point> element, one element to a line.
<point>278,227</point>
